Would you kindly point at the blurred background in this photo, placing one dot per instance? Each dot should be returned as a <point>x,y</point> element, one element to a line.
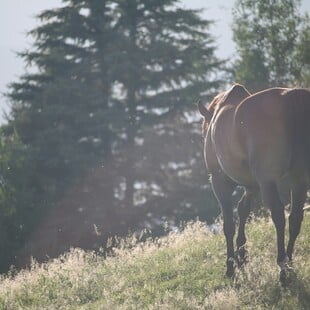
<point>99,132</point>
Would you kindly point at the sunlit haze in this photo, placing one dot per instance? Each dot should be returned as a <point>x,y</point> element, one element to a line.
<point>18,16</point>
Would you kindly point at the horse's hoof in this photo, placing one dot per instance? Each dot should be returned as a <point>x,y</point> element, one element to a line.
<point>286,276</point>
<point>242,256</point>
<point>231,265</point>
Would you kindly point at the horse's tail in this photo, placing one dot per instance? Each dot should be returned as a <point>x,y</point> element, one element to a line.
<point>298,101</point>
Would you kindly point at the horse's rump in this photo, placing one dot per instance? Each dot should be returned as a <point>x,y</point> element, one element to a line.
<point>274,129</point>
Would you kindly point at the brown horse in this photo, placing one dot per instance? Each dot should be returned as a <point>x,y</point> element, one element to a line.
<point>255,141</point>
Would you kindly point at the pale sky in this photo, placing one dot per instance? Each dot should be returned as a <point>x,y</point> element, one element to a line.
<point>17,17</point>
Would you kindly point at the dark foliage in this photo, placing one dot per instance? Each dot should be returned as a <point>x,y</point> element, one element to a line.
<point>272,39</point>
<point>109,107</point>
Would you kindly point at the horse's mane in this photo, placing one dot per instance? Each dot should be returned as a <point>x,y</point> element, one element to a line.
<point>213,105</point>
<point>232,96</point>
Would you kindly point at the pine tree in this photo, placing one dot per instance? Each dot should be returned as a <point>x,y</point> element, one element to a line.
<point>168,61</point>
<point>105,71</point>
<point>62,111</point>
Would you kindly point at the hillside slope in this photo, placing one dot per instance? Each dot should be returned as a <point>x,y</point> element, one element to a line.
<point>181,271</point>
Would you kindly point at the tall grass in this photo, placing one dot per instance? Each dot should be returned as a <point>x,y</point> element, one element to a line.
<point>181,271</point>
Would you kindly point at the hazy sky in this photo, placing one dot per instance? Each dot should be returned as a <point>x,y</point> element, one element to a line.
<point>18,16</point>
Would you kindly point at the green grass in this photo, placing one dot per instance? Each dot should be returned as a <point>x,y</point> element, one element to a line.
<point>181,271</point>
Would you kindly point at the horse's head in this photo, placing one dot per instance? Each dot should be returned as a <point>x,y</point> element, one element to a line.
<point>233,96</point>
<point>207,113</point>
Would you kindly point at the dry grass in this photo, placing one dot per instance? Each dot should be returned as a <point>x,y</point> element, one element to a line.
<point>181,271</point>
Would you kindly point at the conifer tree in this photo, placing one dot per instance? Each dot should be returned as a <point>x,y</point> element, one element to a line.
<point>103,71</point>
<point>169,60</point>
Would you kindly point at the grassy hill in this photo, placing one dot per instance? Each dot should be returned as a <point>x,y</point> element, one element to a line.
<point>181,271</point>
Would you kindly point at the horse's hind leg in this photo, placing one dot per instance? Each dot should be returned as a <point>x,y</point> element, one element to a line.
<point>244,208</point>
<point>272,200</point>
<point>223,189</point>
<point>298,198</point>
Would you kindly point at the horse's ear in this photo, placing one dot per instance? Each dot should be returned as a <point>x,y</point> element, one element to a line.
<point>204,111</point>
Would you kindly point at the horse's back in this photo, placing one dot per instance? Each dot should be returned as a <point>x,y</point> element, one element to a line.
<point>274,130</point>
